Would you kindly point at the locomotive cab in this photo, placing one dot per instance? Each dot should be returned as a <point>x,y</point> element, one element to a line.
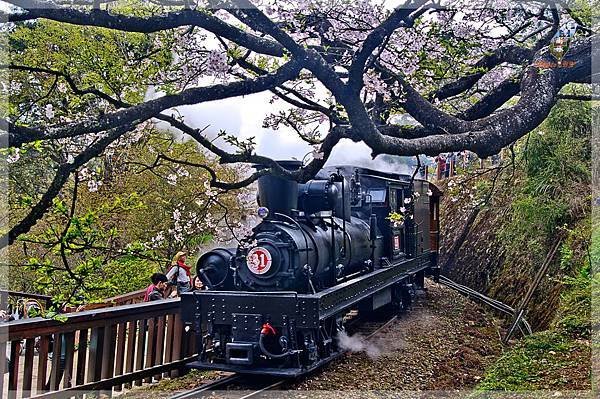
<point>351,238</point>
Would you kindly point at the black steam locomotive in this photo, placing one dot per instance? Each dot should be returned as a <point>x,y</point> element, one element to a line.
<point>351,238</point>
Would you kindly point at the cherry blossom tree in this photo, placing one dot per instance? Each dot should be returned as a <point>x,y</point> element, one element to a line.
<point>121,218</point>
<point>474,75</point>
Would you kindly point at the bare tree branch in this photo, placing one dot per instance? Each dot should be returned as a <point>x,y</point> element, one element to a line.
<point>509,54</point>
<point>403,15</point>
<point>579,97</point>
<point>116,102</point>
<point>171,20</point>
<point>485,127</point>
<point>60,178</point>
<point>214,180</point>
<point>488,135</point>
<point>18,135</point>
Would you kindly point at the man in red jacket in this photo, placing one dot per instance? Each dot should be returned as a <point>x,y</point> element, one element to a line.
<point>155,291</point>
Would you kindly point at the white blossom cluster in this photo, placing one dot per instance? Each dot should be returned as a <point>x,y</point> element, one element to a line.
<point>460,189</point>
<point>91,177</point>
<point>462,27</point>
<point>14,154</point>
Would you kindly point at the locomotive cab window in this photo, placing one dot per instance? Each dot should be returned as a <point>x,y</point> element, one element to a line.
<point>375,196</point>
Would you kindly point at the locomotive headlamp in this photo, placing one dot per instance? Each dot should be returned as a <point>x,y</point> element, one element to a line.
<point>262,212</point>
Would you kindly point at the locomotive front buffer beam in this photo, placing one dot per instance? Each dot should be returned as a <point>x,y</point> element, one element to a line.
<point>284,333</point>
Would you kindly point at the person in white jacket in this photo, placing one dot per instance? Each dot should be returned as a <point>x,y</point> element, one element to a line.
<point>180,274</point>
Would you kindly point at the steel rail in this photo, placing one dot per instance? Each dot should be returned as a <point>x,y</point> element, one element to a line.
<point>387,323</point>
<point>258,391</point>
<point>280,382</point>
<point>494,303</point>
<point>207,387</point>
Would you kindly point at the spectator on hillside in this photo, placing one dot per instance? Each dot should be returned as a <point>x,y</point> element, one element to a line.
<point>465,157</point>
<point>496,159</point>
<point>180,274</point>
<point>441,166</point>
<point>451,165</point>
<point>155,291</point>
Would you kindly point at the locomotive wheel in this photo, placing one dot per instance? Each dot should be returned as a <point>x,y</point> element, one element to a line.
<point>402,298</point>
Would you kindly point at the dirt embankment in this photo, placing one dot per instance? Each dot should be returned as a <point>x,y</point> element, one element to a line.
<point>499,267</point>
<point>500,253</point>
<point>444,343</point>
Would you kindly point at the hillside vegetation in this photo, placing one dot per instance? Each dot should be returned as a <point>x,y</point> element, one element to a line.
<point>501,223</point>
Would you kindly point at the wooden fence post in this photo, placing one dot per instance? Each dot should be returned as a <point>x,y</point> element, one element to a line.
<point>131,335</point>
<point>69,359</point>
<point>81,357</point>
<point>117,346</point>
<point>13,368</point>
<point>120,356</point>
<point>2,370</point>
<point>42,364</point>
<point>150,346</point>
<point>177,342</point>
<point>141,348</point>
<point>27,367</point>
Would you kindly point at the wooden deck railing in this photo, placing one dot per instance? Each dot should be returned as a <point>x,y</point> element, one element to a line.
<point>126,299</point>
<point>96,350</point>
<point>131,297</point>
<point>45,300</point>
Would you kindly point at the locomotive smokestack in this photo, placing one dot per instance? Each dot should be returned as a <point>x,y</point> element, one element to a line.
<point>278,194</point>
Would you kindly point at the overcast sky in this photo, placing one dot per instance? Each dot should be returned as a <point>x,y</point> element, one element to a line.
<point>243,117</point>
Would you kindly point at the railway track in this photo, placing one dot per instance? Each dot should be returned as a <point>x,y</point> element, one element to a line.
<point>207,388</point>
<point>244,389</point>
<point>235,386</point>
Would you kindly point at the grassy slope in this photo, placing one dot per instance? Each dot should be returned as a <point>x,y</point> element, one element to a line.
<point>558,358</point>
<point>547,193</point>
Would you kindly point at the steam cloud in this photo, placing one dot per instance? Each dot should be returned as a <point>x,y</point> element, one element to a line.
<point>359,154</point>
<point>357,343</point>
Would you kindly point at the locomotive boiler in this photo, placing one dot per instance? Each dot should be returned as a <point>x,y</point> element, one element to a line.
<point>352,238</point>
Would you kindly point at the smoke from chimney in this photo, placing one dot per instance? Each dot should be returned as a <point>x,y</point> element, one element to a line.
<point>350,153</point>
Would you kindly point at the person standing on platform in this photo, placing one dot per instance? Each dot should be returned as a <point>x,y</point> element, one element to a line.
<point>451,166</point>
<point>180,274</point>
<point>156,290</point>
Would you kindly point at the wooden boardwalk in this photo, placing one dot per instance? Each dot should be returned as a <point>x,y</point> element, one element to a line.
<point>102,349</point>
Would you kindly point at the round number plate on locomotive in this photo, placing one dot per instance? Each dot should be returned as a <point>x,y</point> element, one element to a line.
<point>259,260</point>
